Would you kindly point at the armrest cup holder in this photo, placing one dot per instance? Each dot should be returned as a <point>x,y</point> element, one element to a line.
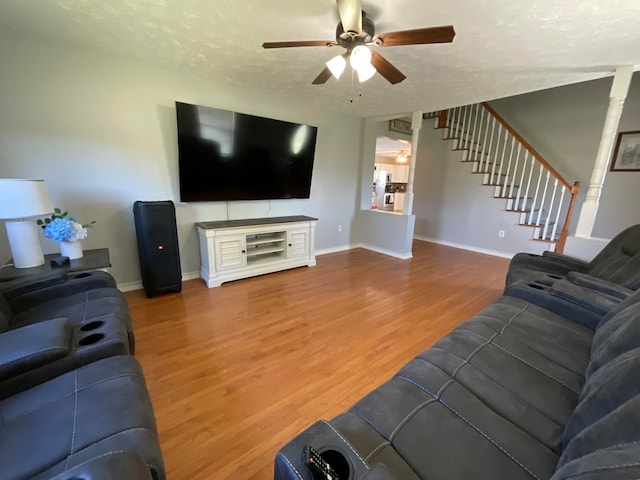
<point>332,448</point>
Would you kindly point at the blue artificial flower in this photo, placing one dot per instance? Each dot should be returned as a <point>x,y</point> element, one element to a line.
<point>59,230</point>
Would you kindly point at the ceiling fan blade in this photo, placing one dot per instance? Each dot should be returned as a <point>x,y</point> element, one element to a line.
<point>351,15</point>
<point>303,43</point>
<point>419,36</point>
<point>384,68</point>
<point>323,77</point>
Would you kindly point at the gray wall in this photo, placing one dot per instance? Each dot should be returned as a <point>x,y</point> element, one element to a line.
<point>564,124</point>
<point>101,131</point>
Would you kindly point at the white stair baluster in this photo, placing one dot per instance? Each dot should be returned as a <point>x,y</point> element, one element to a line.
<point>484,141</point>
<point>495,157</point>
<point>544,195</point>
<point>454,124</point>
<point>524,169</point>
<point>515,172</point>
<point>535,196</point>
<point>503,191</point>
<point>526,193</point>
<point>485,166</point>
<point>555,224</point>
<point>463,127</point>
<point>483,115</point>
<point>553,197</point>
<point>471,137</point>
<point>504,149</point>
<point>447,131</point>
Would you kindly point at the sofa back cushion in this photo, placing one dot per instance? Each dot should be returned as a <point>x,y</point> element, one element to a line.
<point>617,429</point>
<point>619,462</point>
<point>618,262</point>
<point>619,334</point>
<point>607,389</point>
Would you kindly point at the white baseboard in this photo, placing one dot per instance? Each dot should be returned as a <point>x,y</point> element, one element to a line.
<point>341,248</point>
<point>471,248</point>
<point>384,251</point>
<point>131,286</point>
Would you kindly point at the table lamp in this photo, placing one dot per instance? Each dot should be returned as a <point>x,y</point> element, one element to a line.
<point>20,201</point>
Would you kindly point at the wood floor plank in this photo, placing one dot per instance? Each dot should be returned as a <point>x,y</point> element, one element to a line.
<point>235,372</point>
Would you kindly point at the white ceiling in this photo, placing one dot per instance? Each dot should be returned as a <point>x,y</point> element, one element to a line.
<point>502,47</point>
<point>390,147</point>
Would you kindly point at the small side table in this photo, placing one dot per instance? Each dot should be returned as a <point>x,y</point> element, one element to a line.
<point>95,259</point>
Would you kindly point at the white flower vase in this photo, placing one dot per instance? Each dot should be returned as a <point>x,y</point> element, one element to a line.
<point>71,249</point>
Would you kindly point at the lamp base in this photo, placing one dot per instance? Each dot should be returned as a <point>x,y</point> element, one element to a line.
<point>24,243</point>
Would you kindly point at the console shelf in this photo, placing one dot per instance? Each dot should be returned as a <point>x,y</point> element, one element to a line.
<point>235,249</point>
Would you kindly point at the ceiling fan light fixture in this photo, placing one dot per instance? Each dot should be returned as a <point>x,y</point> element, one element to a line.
<point>360,56</point>
<point>365,72</point>
<point>337,65</point>
<point>402,157</point>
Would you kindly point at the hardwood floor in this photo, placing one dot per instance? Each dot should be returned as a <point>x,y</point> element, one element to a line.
<point>235,372</point>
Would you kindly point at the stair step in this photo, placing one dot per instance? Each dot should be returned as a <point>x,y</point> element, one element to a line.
<point>546,240</point>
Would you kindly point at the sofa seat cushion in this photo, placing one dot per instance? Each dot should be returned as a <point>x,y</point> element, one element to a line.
<point>99,408</point>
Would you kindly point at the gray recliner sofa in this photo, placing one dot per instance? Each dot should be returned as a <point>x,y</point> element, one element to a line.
<point>517,392</point>
<point>73,401</point>
<point>618,263</point>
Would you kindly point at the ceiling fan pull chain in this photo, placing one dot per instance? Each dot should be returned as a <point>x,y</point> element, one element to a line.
<point>353,88</point>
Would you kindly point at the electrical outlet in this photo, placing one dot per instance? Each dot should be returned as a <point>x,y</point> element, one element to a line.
<point>339,228</point>
<point>501,233</point>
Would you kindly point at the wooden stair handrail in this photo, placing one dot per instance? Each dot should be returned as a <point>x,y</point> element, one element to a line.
<point>564,233</point>
<point>526,145</point>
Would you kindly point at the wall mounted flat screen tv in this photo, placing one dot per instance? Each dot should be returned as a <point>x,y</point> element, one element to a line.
<point>225,155</point>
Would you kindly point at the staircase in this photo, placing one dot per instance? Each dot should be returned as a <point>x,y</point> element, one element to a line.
<point>531,187</point>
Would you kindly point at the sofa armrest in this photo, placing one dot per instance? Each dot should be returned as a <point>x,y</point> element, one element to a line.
<point>18,286</point>
<point>110,466</point>
<point>542,263</point>
<point>599,285</point>
<point>33,346</point>
<point>24,297</point>
<point>573,302</point>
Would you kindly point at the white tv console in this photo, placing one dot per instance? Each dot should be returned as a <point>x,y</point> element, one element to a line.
<point>234,249</point>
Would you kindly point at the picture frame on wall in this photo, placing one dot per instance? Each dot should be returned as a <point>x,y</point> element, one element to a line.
<point>626,156</point>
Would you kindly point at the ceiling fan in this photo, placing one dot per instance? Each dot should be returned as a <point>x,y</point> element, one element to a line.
<point>356,33</point>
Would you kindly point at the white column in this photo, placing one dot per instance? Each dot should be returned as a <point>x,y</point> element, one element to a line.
<point>618,94</point>
<point>416,125</point>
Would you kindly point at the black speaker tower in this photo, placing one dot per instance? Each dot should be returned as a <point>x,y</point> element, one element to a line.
<point>157,236</point>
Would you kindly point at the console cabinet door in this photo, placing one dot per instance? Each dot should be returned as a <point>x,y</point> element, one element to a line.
<point>298,243</point>
<point>230,252</point>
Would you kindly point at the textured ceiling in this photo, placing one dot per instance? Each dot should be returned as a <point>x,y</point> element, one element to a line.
<point>502,47</point>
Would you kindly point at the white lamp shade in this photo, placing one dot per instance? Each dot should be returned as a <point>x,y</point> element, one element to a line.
<point>360,56</point>
<point>23,198</point>
<point>336,65</point>
<point>365,72</point>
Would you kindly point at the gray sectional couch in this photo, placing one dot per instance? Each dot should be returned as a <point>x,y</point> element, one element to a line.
<point>517,392</point>
<point>73,399</point>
